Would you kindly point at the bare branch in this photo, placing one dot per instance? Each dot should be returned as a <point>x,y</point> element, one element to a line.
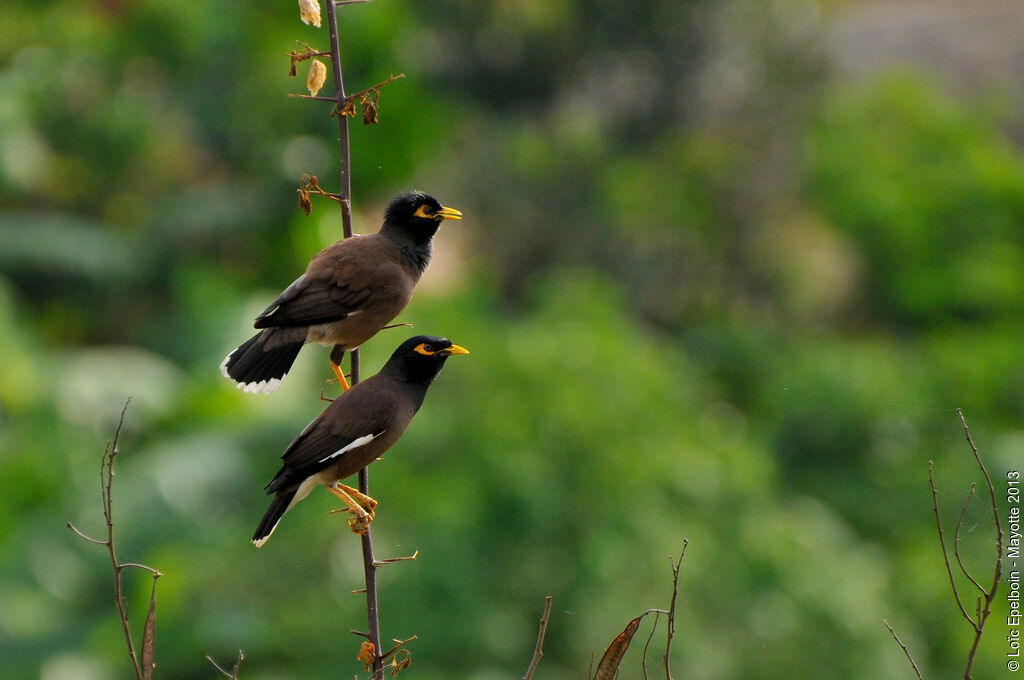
<point>374,88</point>
<point>107,480</point>
<point>392,560</point>
<point>314,97</point>
<point>906,651</point>
<point>344,198</point>
<point>672,610</point>
<point>135,565</point>
<point>144,670</point>
<point>647,644</point>
<point>538,650</point>
<point>400,324</point>
<point>399,644</point>
<point>956,540</point>
<point>233,674</point>
<point>942,543</point>
<point>71,526</point>
<point>984,603</point>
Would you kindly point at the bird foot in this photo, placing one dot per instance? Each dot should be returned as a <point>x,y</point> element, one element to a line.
<point>361,506</point>
<point>364,501</point>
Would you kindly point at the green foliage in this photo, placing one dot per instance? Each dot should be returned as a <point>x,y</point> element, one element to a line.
<point>932,192</point>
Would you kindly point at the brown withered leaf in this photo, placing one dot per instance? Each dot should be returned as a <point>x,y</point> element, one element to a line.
<point>149,637</point>
<point>401,661</point>
<point>616,650</point>
<point>317,76</point>
<point>369,111</point>
<point>313,182</point>
<point>367,652</point>
<point>304,202</point>
<point>349,108</point>
<point>296,56</point>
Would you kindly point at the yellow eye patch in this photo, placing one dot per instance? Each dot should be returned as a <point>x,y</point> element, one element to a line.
<point>423,211</point>
<point>422,349</point>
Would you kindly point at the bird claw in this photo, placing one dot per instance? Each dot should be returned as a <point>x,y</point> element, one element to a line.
<point>360,524</point>
<point>360,521</point>
<point>359,505</point>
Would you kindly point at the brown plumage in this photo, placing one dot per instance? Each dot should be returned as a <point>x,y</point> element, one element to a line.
<point>350,290</point>
<point>356,429</point>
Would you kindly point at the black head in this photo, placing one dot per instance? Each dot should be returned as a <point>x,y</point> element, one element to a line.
<point>420,359</point>
<point>416,215</point>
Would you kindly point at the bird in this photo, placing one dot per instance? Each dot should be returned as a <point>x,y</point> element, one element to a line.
<point>350,290</point>
<point>354,430</point>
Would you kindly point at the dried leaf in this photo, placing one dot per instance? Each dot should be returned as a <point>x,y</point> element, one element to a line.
<point>295,56</point>
<point>149,637</point>
<point>314,183</point>
<point>309,12</point>
<point>609,664</point>
<point>401,661</point>
<point>317,76</point>
<point>349,108</point>
<point>304,202</point>
<point>369,111</point>
<point>367,653</point>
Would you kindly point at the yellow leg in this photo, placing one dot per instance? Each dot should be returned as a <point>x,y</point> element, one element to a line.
<point>361,509</point>
<point>365,502</point>
<point>341,376</point>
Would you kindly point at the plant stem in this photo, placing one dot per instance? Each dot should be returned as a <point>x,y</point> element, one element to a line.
<point>345,201</point>
<point>345,190</point>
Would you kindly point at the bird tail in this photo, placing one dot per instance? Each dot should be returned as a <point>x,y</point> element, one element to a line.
<point>261,362</point>
<point>278,506</point>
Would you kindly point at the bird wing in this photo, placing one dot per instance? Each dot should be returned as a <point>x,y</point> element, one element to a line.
<point>351,422</point>
<point>307,302</point>
<point>341,280</point>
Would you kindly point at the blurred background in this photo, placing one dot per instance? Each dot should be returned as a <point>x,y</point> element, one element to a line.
<point>726,272</point>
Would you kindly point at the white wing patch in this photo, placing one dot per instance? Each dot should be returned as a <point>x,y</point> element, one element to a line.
<point>355,444</point>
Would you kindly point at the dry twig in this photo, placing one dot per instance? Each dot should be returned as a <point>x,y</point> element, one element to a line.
<point>608,666</point>
<point>538,650</point>
<point>647,643</point>
<point>233,673</point>
<point>341,101</point>
<point>983,603</point>
<point>672,610</point>
<point>906,651</point>
<point>143,670</point>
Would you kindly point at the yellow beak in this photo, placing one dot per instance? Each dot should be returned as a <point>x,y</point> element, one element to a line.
<point>448,214</point>
<point>455,349</point>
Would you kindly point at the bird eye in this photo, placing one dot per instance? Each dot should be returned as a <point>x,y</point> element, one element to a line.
<point>425,349</point>
<point>423,211</point>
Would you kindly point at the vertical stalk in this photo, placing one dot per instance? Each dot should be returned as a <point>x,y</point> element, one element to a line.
<point>345,189</point>
<point>345,200</point>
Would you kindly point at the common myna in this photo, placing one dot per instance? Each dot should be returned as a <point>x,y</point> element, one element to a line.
<point>350,290</point>
<point>356,429</point>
